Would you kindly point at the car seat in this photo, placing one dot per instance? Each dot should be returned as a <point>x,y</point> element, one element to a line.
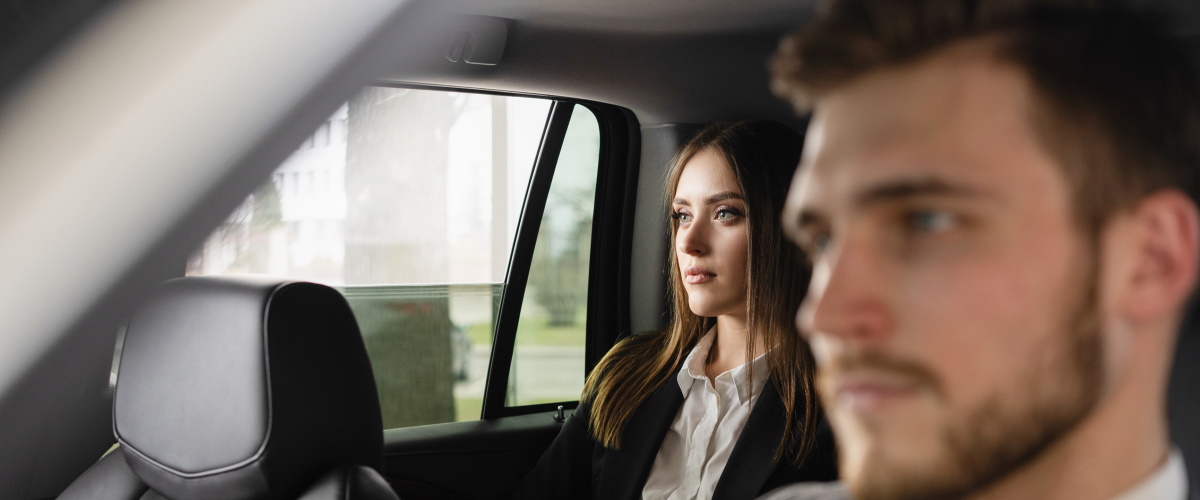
<point>242,388</point>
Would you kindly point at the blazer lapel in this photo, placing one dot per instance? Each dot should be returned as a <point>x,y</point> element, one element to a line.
<point>626,470</point>
<point>750,461</point>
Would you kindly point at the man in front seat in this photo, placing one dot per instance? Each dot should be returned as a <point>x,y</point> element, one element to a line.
<point>997,199</point>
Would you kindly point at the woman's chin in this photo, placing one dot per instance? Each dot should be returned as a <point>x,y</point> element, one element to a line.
<point>708,309</point>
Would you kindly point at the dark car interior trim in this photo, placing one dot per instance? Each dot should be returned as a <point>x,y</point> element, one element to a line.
<point>504,336</point>
<point>612,231</point>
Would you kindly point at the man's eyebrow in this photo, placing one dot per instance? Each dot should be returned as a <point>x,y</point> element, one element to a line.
<point>911,188</point>
<point>799,219</point>
<point>727,195</point>
<point>807,219</point>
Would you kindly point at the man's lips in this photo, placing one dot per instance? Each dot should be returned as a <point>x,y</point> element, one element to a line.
<point>696,275</point>
<point>871,392</point>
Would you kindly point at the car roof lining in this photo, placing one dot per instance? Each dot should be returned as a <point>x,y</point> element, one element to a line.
<point>668,61</point>
<point>691,17</point>
<point>682,17</point>
<point>661,78</point>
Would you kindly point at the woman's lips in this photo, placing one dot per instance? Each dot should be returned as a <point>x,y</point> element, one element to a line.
<point>697,275</point>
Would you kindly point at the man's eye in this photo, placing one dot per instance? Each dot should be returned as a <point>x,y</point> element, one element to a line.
<point>821,242</point>
<point>929,221</point>
<point>816,244</point>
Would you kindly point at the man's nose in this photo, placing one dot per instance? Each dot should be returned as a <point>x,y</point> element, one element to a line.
<point>846,298</point>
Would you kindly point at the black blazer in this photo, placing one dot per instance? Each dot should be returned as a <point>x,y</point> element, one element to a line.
<point>576,466</point>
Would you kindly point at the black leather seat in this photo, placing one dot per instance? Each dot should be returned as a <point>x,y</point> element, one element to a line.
<point>242,388</point>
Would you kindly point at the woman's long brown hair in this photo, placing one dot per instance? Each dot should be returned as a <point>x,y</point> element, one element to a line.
<point>763,156</point>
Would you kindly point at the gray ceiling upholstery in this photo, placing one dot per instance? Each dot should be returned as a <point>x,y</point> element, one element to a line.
<point>645,16</point>
<point>662,78</point>
<point>670,61</point>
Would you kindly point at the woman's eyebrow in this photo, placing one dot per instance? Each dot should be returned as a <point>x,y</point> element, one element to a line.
<point>727,195</point>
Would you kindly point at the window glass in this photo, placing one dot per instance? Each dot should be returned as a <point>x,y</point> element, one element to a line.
<point>407,201</point>
<point>548,358</point>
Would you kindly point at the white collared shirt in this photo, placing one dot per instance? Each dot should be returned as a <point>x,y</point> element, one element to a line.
<point>697,447</point>
<point>1169,482</point>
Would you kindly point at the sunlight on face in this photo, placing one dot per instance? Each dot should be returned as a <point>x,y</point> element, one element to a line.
<point>951,309</point>
<point>709,214</point>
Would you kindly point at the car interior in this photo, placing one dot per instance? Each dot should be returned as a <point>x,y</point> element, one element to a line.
<point>480,181</point>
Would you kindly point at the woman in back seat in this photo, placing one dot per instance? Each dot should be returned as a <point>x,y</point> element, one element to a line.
<point>720,403</point>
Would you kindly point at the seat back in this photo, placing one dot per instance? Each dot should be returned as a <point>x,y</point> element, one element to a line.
<point>242,388</point>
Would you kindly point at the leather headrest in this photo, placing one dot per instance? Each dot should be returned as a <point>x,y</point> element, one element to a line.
<point>244,388</point>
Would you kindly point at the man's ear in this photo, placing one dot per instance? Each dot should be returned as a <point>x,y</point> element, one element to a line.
<point>1166,229</point>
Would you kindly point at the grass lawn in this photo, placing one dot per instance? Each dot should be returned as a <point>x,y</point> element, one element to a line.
<point>467,409</point>
<point>534,330</point>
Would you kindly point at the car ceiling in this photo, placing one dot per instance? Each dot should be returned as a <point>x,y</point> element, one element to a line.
<point>670,61</point>
<point>640,16</point>
<point>706,16</point>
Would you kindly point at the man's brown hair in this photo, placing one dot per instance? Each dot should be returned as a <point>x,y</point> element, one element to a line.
<point>1115,98</point>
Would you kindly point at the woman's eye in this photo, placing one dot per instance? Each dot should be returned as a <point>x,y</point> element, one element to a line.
<point>682,217</point>
<point>929,221</point>
<point>726,214</point>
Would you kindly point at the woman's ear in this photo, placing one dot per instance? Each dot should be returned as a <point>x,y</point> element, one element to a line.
<point>1165,227</point>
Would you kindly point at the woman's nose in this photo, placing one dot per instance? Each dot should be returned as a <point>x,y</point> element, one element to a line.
<point>690,240</point>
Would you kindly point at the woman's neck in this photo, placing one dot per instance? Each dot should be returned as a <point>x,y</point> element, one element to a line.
<point>728,350</point>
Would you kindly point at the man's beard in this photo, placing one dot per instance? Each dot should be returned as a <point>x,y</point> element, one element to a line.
<point>1006,431</point>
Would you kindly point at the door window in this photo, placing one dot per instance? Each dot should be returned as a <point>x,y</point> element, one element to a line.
<point>408,202</point>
